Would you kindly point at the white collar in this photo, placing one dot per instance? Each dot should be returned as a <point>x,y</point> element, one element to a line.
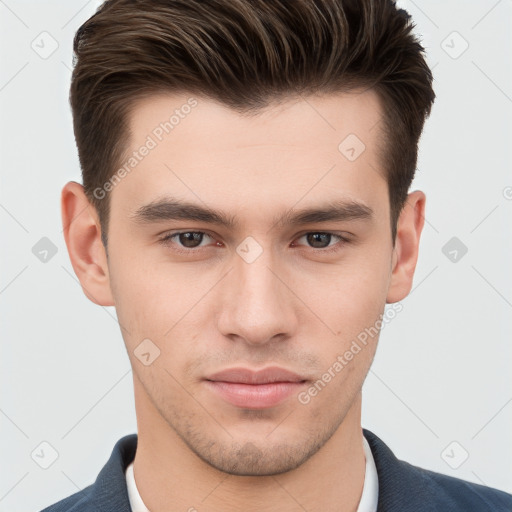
<point>136,503</point>
<point>370,495</point>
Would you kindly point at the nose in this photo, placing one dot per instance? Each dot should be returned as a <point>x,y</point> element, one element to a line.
<point>258,304</point>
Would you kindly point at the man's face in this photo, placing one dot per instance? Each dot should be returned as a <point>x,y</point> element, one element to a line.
<point>263,292</point>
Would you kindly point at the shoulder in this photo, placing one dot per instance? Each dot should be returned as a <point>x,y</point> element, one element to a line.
<point>405,487</point>
<point>74,503</point>
<point>459,494</point>
<point>109,491</point>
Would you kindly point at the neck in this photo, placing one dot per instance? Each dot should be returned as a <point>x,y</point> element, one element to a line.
<point>169,476</point>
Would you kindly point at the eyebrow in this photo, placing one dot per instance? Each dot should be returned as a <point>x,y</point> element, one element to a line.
<point>169,208</point>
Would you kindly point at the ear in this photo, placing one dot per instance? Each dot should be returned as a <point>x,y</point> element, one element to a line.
<point>405,252</point>
<point>82,232</point>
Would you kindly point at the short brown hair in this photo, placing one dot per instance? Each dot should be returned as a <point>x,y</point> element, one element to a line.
<point>245,54</point>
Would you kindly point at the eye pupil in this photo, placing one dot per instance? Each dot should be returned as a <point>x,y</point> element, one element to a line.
<point>188,239</point>
<point>314,238</point>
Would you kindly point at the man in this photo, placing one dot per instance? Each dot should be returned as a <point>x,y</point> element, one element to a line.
<point>245,207</point>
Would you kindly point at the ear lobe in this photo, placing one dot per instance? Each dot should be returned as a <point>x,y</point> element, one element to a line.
<point>405,253</point>
<point>82,233</point>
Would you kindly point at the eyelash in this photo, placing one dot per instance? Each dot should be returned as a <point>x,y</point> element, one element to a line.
<point>166,241</point>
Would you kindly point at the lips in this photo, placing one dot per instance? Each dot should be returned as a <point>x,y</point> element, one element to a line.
<point>251,389</point>
<point>265,376</point>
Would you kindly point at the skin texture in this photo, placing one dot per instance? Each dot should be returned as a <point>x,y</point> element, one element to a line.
<point>294,306</point>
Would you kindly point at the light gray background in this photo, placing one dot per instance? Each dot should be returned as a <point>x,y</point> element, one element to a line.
<point>442,370</point>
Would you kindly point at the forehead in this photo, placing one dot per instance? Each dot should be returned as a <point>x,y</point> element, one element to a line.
<point>290,120</point>
<point>297,150</point>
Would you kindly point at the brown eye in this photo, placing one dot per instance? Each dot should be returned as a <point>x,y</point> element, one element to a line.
<point>190,239</point>
<point>318,240</point>
<point>182,241</point>
<point>324,242</point>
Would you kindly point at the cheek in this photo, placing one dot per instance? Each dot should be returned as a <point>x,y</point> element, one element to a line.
<point>349,298</point>
<point>167,307</point>
<point>151,299</point>
<point>327,400</point>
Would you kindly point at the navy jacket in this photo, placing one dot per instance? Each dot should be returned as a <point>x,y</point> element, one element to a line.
<point>402,486</point>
